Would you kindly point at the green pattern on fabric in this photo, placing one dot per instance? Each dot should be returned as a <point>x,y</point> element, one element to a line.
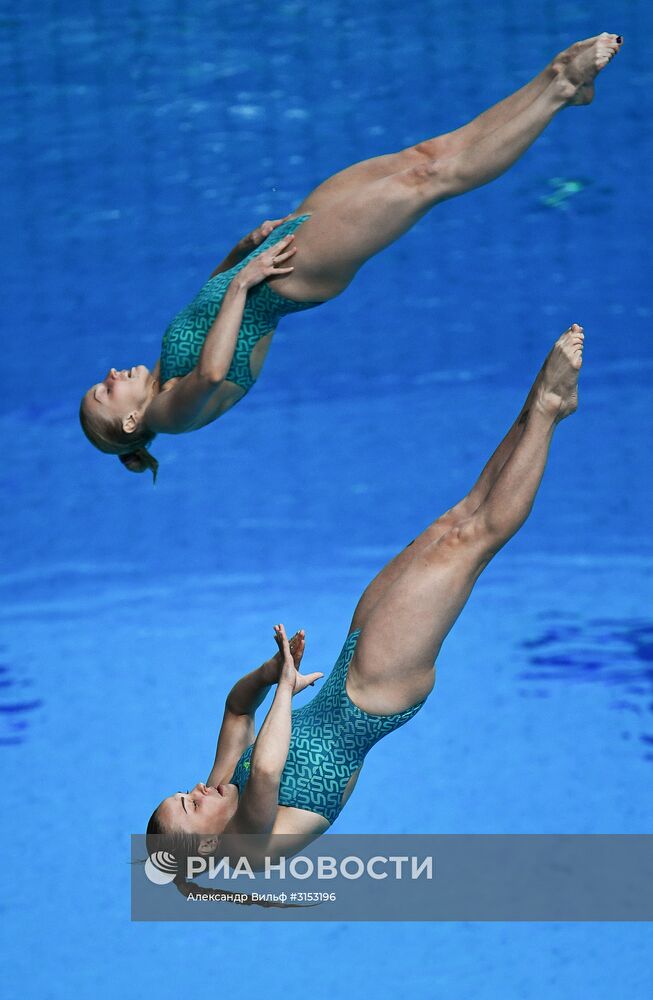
<point>329,739</point>
<point>184,338</point>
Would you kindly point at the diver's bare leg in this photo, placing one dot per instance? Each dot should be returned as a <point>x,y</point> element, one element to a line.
<point>445,145</point>
<point>333,244</point>
<point>393,666</point>
<point>449,143</point>
<point>459,512</point>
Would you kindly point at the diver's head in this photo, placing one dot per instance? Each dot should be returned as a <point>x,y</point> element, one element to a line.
<point>112,416</point>
<point>191,822</point>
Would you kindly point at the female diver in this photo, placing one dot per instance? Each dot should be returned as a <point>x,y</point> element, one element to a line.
<point>215,348</point>
<point>296,776</point>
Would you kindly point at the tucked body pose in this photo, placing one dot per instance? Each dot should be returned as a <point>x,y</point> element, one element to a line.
<point>214,349</point>
<point>296,775</point>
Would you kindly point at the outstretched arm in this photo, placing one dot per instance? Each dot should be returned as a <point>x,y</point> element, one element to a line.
<point>257,808</point>
<point>180,408</point>
<point>237,729</point>
<point>247,244</point>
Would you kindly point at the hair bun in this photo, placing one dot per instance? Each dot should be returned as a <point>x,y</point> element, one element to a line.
<point>140,460</point>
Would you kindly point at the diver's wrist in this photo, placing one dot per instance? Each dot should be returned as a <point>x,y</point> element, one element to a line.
<point>269,672</point>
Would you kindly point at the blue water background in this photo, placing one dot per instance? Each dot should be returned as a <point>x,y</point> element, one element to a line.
<point>143,140</point>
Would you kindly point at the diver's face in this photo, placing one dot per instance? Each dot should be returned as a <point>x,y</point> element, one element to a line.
<point>120,392</point>
<point>202,810</point>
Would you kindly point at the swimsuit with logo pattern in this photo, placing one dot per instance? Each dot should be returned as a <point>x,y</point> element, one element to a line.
<point>329,739</point>
<point>184,338</point>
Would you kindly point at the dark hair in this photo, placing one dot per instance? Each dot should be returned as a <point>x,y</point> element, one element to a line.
<point>182,846</point>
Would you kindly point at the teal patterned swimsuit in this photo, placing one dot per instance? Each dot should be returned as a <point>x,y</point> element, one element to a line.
<point>184,338</point>
<point>329,740</point>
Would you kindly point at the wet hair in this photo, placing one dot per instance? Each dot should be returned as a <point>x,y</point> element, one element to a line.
<point>108,436</point>
<point>184,845</point>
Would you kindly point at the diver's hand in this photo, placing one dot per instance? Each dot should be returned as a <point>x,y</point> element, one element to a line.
<point>271,261</point>
<point>261,233</point>
<point>286,661</point>
<point>247,244</point>
<point>297,644</point>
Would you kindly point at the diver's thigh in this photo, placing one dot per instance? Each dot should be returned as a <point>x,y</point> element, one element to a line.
<point>399,644</point>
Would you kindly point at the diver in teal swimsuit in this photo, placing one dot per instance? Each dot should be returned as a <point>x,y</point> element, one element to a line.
<point>329,740</point>
<point>295,776</point>
<point>214,348</point>
<point>184,338</point>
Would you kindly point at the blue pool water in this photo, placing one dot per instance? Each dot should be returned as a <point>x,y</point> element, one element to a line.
<point>145,139</point>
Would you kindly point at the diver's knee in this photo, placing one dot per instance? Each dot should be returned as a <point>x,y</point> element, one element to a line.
<point>426,170</point>
<point>432,178</point>
<point>466,537</point>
